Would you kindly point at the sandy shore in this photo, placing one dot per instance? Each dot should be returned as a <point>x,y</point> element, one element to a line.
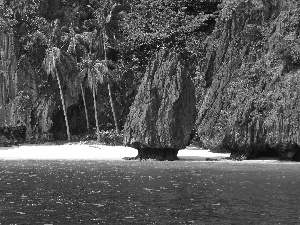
<point>92,152</point>
<point>103,152</point>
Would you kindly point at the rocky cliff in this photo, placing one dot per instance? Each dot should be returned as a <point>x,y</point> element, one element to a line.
<point>163,114</point>
<point>26,98</point>
<point>249,98</point>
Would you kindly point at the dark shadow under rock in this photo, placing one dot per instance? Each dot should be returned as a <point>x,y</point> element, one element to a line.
<point>160,154</point>
<point>296,155</point>
<point>282,151</point>
<point>263,151</point>
<point>255,151</point>
<point>13,134</point>
<point>287,151</point>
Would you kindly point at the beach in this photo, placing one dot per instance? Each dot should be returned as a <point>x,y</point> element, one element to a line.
<point>93,152</point>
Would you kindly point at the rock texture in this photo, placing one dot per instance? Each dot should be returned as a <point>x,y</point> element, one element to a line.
<point>29,96</point>
<point>163,113</point>
<point>249,101</point>
<point>26,95</point>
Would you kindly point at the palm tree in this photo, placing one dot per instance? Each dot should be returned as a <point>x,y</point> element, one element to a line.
<point>97,72</point>
<point>56,58</point>
<point>110,27</point>
<point>52,56</point>
<point>113,109</point>
<point>87,69</point>
<point>79,81</point>
<point>86,65</point>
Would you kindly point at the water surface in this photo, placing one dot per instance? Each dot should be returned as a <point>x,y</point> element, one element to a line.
<point>148,192</point>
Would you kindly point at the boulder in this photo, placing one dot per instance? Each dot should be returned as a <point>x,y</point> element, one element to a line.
<point>163,114</point>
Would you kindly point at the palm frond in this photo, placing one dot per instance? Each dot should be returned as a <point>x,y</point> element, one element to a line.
<point>73,41</point>
<point>38,35</point>
<point>86,39</point>
<point>101,70</point>
<point>80,77</point>
<point>62,64</point>
<point>72,46</point>
<point>50,61</point>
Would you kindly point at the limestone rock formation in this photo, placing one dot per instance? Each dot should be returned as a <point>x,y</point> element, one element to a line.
<point>250,94</point>
<point>163,113</point>
<point>24,95</point>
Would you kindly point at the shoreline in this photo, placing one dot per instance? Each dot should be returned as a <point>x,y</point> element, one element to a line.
<point>78,151</point>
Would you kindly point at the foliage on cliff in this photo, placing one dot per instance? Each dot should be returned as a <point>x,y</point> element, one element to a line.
<point>40,26</point>
<point>126,32</point>
<point>245,54</point>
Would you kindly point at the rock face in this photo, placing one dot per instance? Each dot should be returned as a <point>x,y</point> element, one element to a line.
<point>25,96</point>
<point>249,101</point>
<point>28,95</point>
<point>163,114</point>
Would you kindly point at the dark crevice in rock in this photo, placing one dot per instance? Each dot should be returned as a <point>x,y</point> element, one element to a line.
<point>288,151</point>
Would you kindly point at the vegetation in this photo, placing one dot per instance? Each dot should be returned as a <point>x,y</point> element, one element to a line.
<point>244,54</point>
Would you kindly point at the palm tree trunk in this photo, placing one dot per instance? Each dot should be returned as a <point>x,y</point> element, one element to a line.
<point>85,108</point>
<point>64,107</point>
<point>109,91</point>
<point>113,109</point>
<point>96,117</point>
<point>62,101</point>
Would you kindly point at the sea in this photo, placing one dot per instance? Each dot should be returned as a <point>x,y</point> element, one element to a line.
<point>149,192</point>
